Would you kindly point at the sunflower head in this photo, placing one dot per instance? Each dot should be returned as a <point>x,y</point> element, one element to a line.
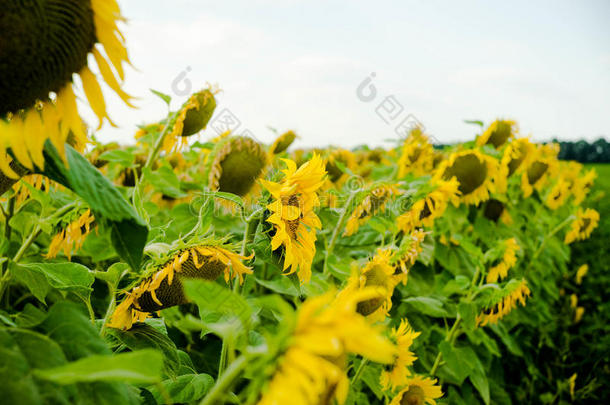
<point>282,142</point>
<point>161,285</point>
<point>292,214</point>
<point>498,133</point>
<point>43,46</point>
<point>337,158</point>
<point>418,391</point>
<point>474,172</point>
<point>542,166</point>
<point>417,155</point>
<point>235,164</point>
<point>582,227</point>
<point>377,275</point>
<point>192,117</point>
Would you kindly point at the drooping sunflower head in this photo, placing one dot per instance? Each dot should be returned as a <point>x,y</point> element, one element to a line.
<point>417,155</point>
<point>161,286</point>
<point>418,391</point>
<point>495,210</point>
<point>235,164</point>
<point>558,194</point>
<point>498,133</point>
<point>542,166</point>
<point>43,46</point>
<point>516,292</point>
<point>192,117</point>
<point>474,171</point>
<point>377,274</point>
<point>282,142</point>
<point>337,159</point>
<point>292,214</point>
<point>509,257</point>
<point>373,202</point>
<point>407,253</point>
<point>582,227</point>
<point>71,237</point>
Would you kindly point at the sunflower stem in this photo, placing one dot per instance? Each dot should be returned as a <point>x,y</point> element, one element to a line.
<point>159,142</point>
<point>360,370</point>
<point>453,332</point>
<point>224,382</point>
<point>337,230</point>
<point>551,234</point>
<point>18,256</point>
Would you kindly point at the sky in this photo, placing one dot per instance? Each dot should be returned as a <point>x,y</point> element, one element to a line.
<point>356,72</point>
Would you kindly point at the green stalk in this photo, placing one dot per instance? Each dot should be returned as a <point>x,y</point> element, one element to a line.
<point>360,370</point>
<point>18,256</point>
<point>224,382</point>
<point>159,142</point>
<point>338,229</point>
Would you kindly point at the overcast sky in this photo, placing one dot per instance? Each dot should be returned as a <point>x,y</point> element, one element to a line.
<point>297,65</point>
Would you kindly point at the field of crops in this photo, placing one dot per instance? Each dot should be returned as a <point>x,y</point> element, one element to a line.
<point>230,271</point>
<point>197,266</point>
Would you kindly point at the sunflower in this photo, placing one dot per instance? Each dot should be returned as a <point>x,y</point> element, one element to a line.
<point>586,221</point>
<point>407,253</point>
<point>379,275</point>
<point>312,370</point>
<point>515,157</point>
<point>418,391</point>
<point>44,45</point>
<point>509,258</point>
<point>498,133</point>
<point>162,287</point>
<point>417,155</point>
<point>542,166</point>
<point>582,185</point>
<point>558,195</point>
<point>495,210</point>
<point>192,117</point>
<point>425,210</point>
<point>581,273</point>
<point>235,164</point>
<point>475,173</point>
<point>396,375</point>
<point>374,202</point>
<point>337,160</point>
<point>505,305</point>
<point>282,143</point>
<point>578,314</point>
<point>72,237</point>
<point>292,214</point>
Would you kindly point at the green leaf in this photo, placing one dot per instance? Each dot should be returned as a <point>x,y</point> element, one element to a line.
<point>217,301</point>
<point>474,122</point>
<point>128,230</point>
<point>467,312</point>
<point>65,277</point>
<point>427,306</point>
<point>143,336</point>
<point>184,389</point>
<point>480,382</point>
<point>167,99</point>
<point>280,285</point>
<point>122,157</point>
<point>18,386</point>
<point>141,367</point>
<point>165,181</point>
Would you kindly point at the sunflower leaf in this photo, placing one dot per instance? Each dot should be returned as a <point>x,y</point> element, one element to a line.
<point>128,230</point>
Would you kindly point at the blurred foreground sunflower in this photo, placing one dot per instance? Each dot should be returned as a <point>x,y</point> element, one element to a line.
<point>313,368</point>
<point>44,44</point>
<point>292,214</point>
<point>161,287</point>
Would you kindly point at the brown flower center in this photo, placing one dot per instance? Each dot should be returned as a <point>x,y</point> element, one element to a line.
<point>414,396</point>
<point>469,171</point>
<point>375,277</point>
<point>536,171</point>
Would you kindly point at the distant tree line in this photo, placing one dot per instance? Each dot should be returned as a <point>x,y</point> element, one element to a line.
<point>580,151</point>
<point>585,152</point>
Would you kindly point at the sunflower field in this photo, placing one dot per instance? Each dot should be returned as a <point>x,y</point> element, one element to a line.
<point>186,266</point>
